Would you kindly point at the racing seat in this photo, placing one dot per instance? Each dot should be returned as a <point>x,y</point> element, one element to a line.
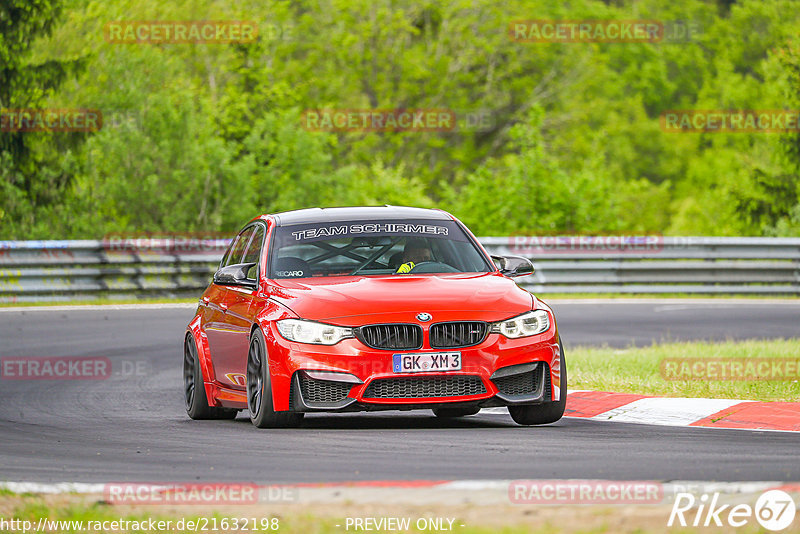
<point>291,267</point>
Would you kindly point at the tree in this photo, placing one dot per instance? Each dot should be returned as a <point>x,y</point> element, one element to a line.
<point>35,170</point>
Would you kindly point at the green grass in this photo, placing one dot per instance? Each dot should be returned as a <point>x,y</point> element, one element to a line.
<point>637,370</point>
<point>76,508</point>
<point>301,519</point>
<point>33,507</point>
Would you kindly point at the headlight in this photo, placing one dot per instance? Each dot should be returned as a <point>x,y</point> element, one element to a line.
<point>527,324</point>
<point>310,332</point>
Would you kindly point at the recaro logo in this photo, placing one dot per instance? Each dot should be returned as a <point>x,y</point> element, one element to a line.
<point>289,274</point>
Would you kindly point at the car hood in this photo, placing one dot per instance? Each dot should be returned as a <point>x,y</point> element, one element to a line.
<point>349,300</point>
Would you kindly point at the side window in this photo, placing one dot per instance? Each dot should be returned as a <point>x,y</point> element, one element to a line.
<point>237,252</point>
<point>224,261</point>
<point>254,251</point>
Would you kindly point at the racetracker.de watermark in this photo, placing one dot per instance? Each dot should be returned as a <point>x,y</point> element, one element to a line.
<point>56,368</point>
<point>379,120</point>
<point>565,244</point>
<point>730,369</point>
<point>50,120</point>
<point>71,368</point>
<point>588,31</point>
<point>585,492</point>
<point>604,31</point>
<point>730,121</point>
<point>196,493</point>
<point>180,31</point>
<point>167,243</point>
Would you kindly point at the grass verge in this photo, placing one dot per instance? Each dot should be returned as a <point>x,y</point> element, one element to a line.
<point>330,517</point>
<point>639,370</point>
<point>77,513</point>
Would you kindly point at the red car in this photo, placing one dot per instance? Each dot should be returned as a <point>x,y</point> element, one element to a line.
<point>369,308</point>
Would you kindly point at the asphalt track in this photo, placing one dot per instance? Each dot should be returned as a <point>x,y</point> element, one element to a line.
<point>132,426</point>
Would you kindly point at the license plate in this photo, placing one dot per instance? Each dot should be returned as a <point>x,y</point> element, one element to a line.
<point>432,361</point>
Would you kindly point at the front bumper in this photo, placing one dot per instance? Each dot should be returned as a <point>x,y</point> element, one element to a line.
<point>528,383</point>
<point>350,376</point>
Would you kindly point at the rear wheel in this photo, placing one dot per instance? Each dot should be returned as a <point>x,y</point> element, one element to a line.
<point>194,390</point>
<point>259,390</point>
<point>449,413</point>
<point>549,412</point>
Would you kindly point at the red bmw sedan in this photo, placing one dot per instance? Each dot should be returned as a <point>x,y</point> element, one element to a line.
<point>369,308</point>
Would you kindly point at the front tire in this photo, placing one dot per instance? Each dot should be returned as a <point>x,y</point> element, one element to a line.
<point>549,412</point>
<point>259,389</point>
<point>194,390</point>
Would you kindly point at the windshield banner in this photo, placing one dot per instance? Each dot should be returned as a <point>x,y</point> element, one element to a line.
<point>304,233</point>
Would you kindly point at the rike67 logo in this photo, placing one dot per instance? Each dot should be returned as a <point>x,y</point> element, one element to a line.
<point>774,510</point>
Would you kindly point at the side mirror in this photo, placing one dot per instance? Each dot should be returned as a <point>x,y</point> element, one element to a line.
<point>235,275</point>
<point>513,266</point>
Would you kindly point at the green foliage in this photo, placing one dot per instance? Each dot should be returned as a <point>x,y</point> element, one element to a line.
<point>206,136</point>
<point>37,167</point>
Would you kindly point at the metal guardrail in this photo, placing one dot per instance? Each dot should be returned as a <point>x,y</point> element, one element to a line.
<point>32,271</point>
<point>656,264</point>
<point>74,270</point>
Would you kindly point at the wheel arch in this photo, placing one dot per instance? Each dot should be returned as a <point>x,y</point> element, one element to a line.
<point>279,372</point>
<point>204,357</point>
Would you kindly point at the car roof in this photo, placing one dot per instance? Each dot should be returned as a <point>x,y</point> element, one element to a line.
<point>361,213</point>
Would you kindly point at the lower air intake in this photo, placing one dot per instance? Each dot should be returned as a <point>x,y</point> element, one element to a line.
<point>323,391</point>
<point>520,384</point>
<point>425,387</point>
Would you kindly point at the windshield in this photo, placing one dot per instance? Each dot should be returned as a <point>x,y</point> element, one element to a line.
<point>385,247</point>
